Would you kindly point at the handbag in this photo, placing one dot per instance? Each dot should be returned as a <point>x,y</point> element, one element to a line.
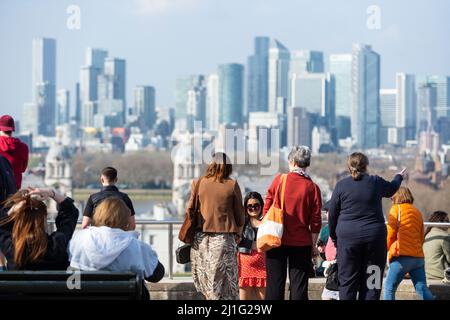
<point>332,282</point>
<point>183,254</point>
<point>270,231</point>
<point>191,219</point>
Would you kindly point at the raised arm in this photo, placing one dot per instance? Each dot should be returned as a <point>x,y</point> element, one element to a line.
<point>388,189</point>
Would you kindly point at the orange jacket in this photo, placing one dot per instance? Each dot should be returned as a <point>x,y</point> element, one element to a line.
<point>408,238</point>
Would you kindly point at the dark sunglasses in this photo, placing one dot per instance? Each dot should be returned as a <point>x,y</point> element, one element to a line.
<point>253,207</point>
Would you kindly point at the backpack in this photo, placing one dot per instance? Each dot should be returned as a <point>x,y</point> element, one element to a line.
<point>7,181</point>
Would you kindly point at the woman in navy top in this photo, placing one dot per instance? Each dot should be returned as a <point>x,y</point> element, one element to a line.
<point>357,227</point>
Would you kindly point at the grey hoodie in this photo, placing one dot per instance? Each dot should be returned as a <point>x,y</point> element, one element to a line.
<point>111,249</point>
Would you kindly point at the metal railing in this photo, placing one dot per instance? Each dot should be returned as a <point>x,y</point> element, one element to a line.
<point>142,223</point>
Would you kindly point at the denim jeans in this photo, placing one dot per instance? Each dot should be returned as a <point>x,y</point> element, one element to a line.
<point>398,268</point>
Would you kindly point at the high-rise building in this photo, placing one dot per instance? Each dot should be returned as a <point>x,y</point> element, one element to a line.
<point>305,61</point>
<point>212,101</point>
<point>77,111</point>
<point>426,108</point>
<point>62,106</point>
<point>45,101</point>
<point>258,76</point>
<point>196,104</point>
<point>299,127</point>
<point>442,85</point>
<point>96,58</point>
<point>30,118</point>
<point>44,83</point>
<point>144,106</point>
<point>315,93</point>
<point>388,115</point>
<point>231,93</point>
<point>182,86</point>
<point>406,104</point>
<point>278,70</point>
<point>341,68</point>
<point>365,96</point>
<point>88,83</point>
<point>116,70</point>
<point>43,63</point>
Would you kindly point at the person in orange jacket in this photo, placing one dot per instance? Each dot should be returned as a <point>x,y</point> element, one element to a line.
<point>405,237</point>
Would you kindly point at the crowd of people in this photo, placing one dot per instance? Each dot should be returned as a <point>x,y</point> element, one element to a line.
<point>355,245</point>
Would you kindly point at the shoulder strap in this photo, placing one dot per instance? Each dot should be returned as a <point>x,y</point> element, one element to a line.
<point>283,179</point>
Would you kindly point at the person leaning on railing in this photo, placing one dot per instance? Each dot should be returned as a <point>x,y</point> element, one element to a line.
<point>23,239</point>
<point>437,247</point>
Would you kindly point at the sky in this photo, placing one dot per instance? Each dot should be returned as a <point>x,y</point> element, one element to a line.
<point>163,39</point>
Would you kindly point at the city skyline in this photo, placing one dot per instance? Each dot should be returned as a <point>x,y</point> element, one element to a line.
<point>389,41</point>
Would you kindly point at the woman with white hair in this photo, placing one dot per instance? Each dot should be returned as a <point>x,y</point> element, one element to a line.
<point>302,224</point>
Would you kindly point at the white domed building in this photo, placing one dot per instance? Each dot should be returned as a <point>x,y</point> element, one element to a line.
<point>187,166</point>
<point>58,169</point>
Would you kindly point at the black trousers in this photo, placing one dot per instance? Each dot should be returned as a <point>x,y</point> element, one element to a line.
<point>360,269</point>
<point>278,260</point>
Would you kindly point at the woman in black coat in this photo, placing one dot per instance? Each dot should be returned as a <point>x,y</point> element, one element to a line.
<point>23,239</point>
<point>357,227</point>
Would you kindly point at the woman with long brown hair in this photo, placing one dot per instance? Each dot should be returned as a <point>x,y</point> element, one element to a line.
<point>214,251</point>
<point>357,227</point>
<point>23,239</point>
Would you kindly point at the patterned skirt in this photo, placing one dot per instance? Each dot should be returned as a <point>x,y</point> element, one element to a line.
<point>214,265</point>
<point>252,270</point>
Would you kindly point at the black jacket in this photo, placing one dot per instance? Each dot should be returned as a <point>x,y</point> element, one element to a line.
<point>106,192</point>
<point>56,257</point>
<point>7,181</point>
<point>248,237</point>
<point>355,209</point>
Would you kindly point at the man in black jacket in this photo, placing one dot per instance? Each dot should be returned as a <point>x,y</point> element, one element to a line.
<point>108,179</point>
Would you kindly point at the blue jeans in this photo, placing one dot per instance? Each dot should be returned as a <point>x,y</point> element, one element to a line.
<point>398,268</point>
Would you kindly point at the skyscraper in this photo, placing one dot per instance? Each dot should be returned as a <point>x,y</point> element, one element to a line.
<point>426,108</point>
<point>258,76</point>
<point>442,85</point>
<point>43,62</point>
<point>144,106</point>
<point>116,70</point>
<point>315,93</point>
<point>365,96</point>
<point>62,106</point>
<point>278,74</point>
<point>231,93</point>
<point>182,87</point>
<point>212,101</point>
<point>406,104</point>
<point>44,83</point>
<point>196,104</point>
<point>299,128</point>
<point>305,61</point>
<point>96,58</point>
<point>341,68</point>
<point>388,115</point>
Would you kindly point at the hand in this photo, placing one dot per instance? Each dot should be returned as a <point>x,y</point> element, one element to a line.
<point>321,249</point>
<point>237,238</point>
<point>42,194</point>
<point>404,172</point>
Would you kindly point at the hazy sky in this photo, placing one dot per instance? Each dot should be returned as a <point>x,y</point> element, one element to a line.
<point>161,39</point>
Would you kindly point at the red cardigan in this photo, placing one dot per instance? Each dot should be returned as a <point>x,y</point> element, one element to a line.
<point>303,203</point>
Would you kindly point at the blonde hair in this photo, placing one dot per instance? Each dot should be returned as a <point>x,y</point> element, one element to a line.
<point>403,195</point>
<point>112,212</point>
